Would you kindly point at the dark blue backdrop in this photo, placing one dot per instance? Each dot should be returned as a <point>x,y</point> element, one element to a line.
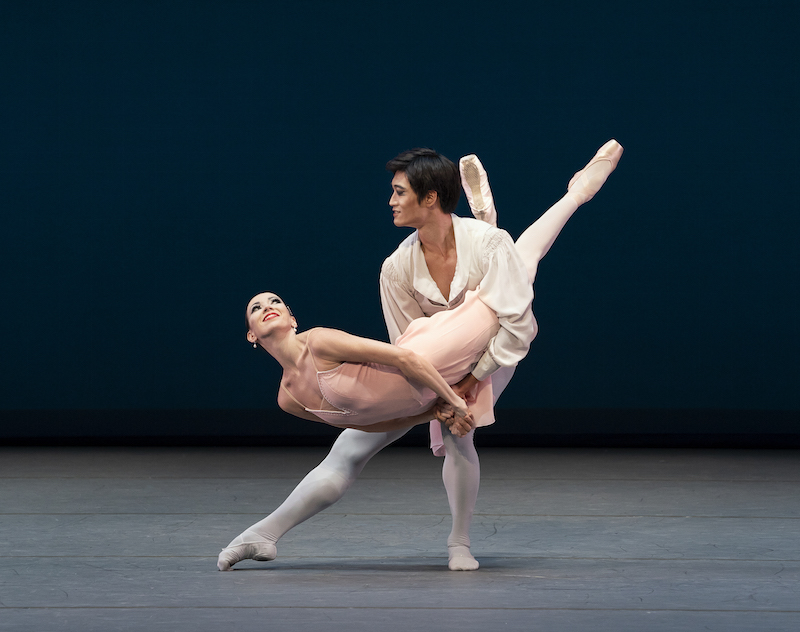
<point>163,161</point>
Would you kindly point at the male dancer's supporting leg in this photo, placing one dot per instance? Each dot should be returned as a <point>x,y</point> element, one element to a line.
<point>461,474</point>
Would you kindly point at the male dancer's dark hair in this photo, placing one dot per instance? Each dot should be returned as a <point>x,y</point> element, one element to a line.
<point>428,170</point>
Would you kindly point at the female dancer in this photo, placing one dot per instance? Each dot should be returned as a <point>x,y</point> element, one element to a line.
<point>359,383</point>
<point>369,385</point>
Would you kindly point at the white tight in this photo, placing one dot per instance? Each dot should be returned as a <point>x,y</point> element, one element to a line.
<point>327,482</point>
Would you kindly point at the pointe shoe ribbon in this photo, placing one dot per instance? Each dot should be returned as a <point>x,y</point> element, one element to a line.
<point>476,187</point>
<point>611,152</point>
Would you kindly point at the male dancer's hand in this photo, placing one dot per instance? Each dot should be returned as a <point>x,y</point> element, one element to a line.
<point>445,411</point>
<point>461,426</point>
<point>465,386</point>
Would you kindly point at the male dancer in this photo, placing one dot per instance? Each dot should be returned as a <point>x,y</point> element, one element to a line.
<point>441,251</point>
<point>430,272</point>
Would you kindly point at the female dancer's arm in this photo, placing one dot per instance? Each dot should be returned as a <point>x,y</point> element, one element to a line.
<point>338,346</point>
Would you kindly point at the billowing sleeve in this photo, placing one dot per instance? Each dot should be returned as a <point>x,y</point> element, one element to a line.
<point>398,302</point>
<point>506,290</point>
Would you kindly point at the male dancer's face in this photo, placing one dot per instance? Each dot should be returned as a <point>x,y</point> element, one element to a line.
<point>406,209</point>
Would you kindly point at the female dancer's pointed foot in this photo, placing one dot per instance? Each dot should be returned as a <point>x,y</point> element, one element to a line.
<point>460,558</point>
<point>247,546</point>
<point>588,181</point>
<point>476,187</point>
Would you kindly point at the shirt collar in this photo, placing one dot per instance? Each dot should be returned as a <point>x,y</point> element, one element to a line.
<point>423,281</point>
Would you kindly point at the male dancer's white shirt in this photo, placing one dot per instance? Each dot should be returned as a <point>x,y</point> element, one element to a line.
<point>485,259</point>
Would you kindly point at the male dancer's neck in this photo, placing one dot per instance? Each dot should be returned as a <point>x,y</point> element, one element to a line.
<point>437,236</point>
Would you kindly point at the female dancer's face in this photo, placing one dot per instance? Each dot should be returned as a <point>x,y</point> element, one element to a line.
<point>266,314</point>
<point>406,209</point>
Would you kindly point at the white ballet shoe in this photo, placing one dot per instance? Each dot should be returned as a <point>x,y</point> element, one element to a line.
<point>461,558</point>
<point>587,182</point>
<point>247,546</point>
<point>476,187</point>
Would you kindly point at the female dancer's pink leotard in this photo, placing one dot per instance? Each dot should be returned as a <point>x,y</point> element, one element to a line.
<point>453,341</point>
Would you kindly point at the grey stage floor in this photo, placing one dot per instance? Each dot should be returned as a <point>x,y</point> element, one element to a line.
<point>127,539</point>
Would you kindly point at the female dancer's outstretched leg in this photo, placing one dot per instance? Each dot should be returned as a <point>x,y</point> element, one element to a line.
<point>321,487</point>
<point>534,243</point>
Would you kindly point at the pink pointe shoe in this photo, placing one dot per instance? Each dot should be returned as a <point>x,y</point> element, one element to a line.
<point>476,187</point>
<point>588,181</point>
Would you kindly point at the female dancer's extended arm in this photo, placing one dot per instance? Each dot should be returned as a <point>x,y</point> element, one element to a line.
<point>338,346</point>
